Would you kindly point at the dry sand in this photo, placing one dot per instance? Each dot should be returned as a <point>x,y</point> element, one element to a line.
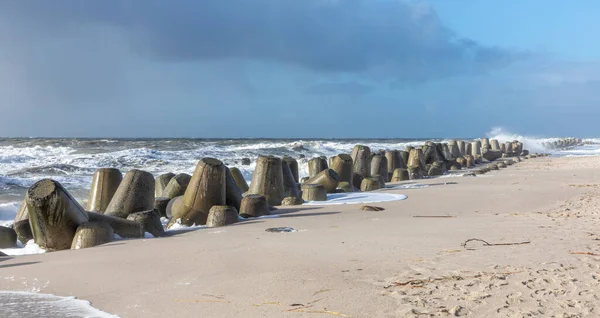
<point>348,262</point>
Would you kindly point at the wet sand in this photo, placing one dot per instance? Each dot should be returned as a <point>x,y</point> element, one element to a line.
<point>404,261</point>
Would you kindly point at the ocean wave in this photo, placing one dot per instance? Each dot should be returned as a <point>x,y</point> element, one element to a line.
<point>533,144</point>
<point>72,162</point>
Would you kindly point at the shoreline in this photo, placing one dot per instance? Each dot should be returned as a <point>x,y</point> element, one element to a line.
<point>351,262</point>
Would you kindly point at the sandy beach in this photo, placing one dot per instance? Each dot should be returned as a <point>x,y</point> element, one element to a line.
<point>539,217</point>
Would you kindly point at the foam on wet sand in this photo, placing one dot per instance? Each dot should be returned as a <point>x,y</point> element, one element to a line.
<point>27,304</point>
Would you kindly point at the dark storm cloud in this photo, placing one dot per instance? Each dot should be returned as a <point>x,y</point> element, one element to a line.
<point>403,40</point>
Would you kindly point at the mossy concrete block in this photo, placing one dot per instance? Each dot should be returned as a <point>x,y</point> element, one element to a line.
<point>328,178</point>
<point>54,214</point>
<point>343,165</point>
<point>267,179</point>
<point>105,183</point>
<point>161,183</point>
<point>122,227</point>
<point>254,205</point>
<point>206,189</point>
<point>134,194</point>
<point>177,185</point>
<point>239,179</point>
<point>150,221</point>
<point>316,165</point>
<point>370,184</point>
<point>313,192</point>
<point>221,215</point>
<point>92,234</point>
<point>233,193</point>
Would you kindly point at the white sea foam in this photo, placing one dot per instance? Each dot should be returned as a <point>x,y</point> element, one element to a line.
<point>532,144</point>
<point>29,249</point>
<point>27,304</point>
<point>177,226</point>
<point>358,198</point>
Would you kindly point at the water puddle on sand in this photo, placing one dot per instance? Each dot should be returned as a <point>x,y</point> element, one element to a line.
<point>26,304</point>
<point>358,198</point>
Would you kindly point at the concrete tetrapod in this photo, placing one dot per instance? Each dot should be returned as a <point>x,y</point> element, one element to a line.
<point>415,160</point>
<point>161,183</point>
<point>494,144</point>
<point>150,221</point>
<point>468,149</point>
<point>454,151</point>
<point>8,237</point>
<point>122,227</point>
<point>206,189</point>
<point>461,147</point>
<point>491,155</point>
<point>345,186</point>
<point>404,155</point>
<point>233,194</point>
<point>160,206</point>
<point>293,164</point>
<point>176,186</point>
<point>268,179</point>
<point>104,185</point>
<point>469,161</point>
<point>313,192</point>
<point>175,204</point>
<point>239,179</point>
<point>316,165</point>
<point>54,214</point>
<point>381,180</point>
<point>290,186</point>
<point>21,224</point>
<point>329,179</point>
<point>254,205</point>
<point>221,215</point>
<point>435,170</point>
<point>292,201</point>
<point>361,164</point>
<point>475,149</point>
<point>508,147</point>
<point>431,153</point>
<point>400,174</point>
<point>415,173</point>
<point>485,143</point>
<point>379,166</point>
<point>134,194</point>
<point>342,164</point>
<point>394,161</point>
<point>370,184</point>
<point>90,234</point>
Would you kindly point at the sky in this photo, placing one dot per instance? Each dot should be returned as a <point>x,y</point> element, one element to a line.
<point>299,69</point>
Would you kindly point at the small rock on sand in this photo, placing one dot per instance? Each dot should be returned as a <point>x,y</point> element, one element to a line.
<point>371,208</point>
<point>281,230</point>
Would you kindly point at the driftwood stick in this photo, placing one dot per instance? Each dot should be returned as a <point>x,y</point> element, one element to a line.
<point>584,253</point>
<point>485,243</point>
<point>434,216</point>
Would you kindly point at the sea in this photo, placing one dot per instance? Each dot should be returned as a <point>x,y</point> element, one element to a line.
<point>72,161</point>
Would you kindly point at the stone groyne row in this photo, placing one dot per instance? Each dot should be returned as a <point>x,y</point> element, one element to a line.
<point>215,195</point>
